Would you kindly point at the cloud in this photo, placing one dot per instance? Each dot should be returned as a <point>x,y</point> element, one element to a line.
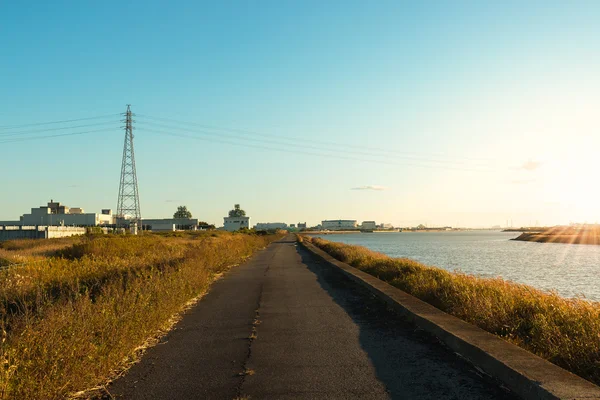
<point>369,187</point>
<point>172,201</point>
<point>531,165</point>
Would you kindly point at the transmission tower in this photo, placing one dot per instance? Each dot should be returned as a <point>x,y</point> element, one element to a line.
<point>128,205</point>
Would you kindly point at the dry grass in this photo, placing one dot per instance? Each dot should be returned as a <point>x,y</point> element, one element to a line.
<point>563,331</point>
<point>69,322</point>
<point>28,250</point>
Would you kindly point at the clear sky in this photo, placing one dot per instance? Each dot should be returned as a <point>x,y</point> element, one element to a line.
<point>440,112</point>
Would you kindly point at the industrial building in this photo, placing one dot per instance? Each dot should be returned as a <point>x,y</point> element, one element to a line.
<point>339,224</point>
<point>39,232</point>
<point>56,214</point>
<point>170,224</point>
<point>368,226</point>
<point>265,226</point>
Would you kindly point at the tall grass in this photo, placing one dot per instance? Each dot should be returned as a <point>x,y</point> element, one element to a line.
<point>73,319</point>
<point>564,331</point>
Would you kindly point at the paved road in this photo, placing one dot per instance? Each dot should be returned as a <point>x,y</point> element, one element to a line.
<point>317,336</point>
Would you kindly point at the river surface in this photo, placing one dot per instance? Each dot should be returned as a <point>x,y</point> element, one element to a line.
<point>573,270</point>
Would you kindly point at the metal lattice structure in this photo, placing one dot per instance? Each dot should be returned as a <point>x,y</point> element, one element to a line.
<point>128,205</point>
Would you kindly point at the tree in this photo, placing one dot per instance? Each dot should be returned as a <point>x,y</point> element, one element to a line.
<point>182,212</point>
<point>237,211</point>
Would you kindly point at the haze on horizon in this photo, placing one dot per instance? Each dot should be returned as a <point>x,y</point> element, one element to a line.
<point>444,113</point>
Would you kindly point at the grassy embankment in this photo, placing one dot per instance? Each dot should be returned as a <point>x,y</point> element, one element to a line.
<point>82,311</point>
<point>563,331</point>
<point>564,234</point>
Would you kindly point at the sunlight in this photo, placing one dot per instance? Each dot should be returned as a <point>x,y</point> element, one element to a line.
<point>574,188</point>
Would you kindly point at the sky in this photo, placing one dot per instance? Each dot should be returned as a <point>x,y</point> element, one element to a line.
<point>459,113</point>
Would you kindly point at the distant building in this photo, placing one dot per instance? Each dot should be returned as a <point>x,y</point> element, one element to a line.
<point>339,224</point>
<point>301,225</point>
<point>236,220</point>
<point>264,226</point>
<point>368,225</point>
<point>170,224</point>
<point>55,214</point>
<point>232,224</point>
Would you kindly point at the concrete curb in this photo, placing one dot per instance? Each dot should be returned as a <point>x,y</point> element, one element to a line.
<point>524,373</point>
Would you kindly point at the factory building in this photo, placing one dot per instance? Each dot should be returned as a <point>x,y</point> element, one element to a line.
<point>265,226</point>
<point>339,224</point>
<point>170,224</point>
<point>55,214</point>
<point>368,226</point>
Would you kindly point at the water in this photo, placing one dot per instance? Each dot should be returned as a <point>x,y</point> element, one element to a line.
<point>573,270</point>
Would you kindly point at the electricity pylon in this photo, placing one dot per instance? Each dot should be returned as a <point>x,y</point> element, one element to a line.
<point>128,205</point>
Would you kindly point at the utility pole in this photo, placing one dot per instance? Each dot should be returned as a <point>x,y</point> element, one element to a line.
<point>128,204</point>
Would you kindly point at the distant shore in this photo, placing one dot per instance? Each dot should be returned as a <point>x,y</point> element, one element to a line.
<point>344,232</point>
<point>575,238</point>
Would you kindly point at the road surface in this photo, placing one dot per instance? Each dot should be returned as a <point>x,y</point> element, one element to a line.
<point>285,326</point>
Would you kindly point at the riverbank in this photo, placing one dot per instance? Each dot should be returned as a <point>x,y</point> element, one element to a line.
<point>565,235</point>
<point>348,232</point>
<point>563,331</point>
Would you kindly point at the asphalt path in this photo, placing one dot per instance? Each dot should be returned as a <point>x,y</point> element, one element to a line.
<point>285,326</point>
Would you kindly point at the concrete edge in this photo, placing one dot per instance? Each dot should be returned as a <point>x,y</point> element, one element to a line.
<point>524,373</point>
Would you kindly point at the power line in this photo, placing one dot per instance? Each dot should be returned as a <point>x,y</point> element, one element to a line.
<point>58,135</point>
<point>296,139</point>
<point>309,146</point>
<point>28,132</point>
<point>57,122</point>
<point>296,151</point>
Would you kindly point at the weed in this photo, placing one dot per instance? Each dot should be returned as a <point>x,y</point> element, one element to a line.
<point>76,316</point>
<point>564,331</point>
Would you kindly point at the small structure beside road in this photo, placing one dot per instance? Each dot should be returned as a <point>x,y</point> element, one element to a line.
<point>236,220</point>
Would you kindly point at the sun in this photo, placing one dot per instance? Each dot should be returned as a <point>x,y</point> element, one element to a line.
<point>575,188</point>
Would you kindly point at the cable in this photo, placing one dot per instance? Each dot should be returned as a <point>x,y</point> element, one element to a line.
<point>337,151</point>
<point>4,134</point>
<point>293,139</point>
<point>328,155</point>
<point>59,135</point>
<point>57,122</point>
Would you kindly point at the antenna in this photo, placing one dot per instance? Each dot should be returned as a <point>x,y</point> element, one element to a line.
<point>128,204</point>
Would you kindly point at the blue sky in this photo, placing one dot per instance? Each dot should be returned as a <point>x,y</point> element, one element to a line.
<point>464,113</point>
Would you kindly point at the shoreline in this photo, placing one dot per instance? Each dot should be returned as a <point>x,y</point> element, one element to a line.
<point>558,238</point>
<point>344,232</point>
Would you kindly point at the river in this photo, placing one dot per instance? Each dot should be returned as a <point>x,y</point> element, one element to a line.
<point>572,270</point>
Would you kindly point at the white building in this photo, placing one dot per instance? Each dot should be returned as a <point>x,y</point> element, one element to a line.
<point>55,214</point>
<point>339,224</point>
<point>264,226</point>
<point>236,220</point>
<point>232,224</point>
<point>170,224</point>
<point>368,225</point>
